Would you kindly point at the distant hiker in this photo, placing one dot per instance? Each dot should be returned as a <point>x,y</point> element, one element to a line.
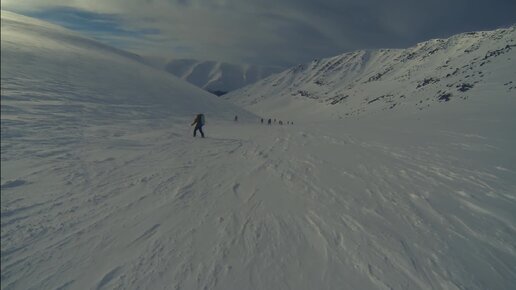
<point>274,120</point>
<point>198,122</point>
<point>262,120</point>
<point>281,122</point>
<point>236,118</point>
<point>269,121</point>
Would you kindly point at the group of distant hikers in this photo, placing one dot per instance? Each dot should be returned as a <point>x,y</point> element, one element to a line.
<point>199,122</point>
<point>270,121</point>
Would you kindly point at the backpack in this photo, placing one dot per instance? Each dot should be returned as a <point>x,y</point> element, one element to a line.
<point>201,119</point>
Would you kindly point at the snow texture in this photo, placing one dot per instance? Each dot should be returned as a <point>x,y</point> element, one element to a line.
<point>103,186</point>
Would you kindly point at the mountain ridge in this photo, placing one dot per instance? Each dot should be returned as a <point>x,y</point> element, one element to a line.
<point>86,71</point>
<point>218,77</point>
<point>364,81</point>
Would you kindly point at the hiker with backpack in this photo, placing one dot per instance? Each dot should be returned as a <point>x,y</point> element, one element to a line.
<point>198,122</point>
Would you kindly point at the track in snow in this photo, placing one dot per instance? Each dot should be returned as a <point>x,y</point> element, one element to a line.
<point>260,207</point>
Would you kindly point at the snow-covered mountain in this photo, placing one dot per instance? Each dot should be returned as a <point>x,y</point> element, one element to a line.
<point>463,68</point>
<point>218,77</point>
<point>60,94</point>
<point>58,69</point>
<point>103,186</point>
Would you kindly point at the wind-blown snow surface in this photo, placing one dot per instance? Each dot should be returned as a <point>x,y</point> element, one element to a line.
<point>115,200</point>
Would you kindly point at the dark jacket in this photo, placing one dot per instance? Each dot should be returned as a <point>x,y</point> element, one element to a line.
<point>199,120</point>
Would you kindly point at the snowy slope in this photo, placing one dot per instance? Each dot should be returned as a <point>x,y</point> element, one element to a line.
<point>218,77</point>
<point>56,88</point>
<point>455,70</point>
<point>105,189</point>
<point>54,65</point>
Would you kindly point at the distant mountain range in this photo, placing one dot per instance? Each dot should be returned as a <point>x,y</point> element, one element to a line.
<point>218,77</point>
<point>473,65</point>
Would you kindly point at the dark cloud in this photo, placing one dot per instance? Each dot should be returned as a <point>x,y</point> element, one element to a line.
<point>281,32</point>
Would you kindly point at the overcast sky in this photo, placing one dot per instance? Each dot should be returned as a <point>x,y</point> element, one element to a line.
<point>268,32</point>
